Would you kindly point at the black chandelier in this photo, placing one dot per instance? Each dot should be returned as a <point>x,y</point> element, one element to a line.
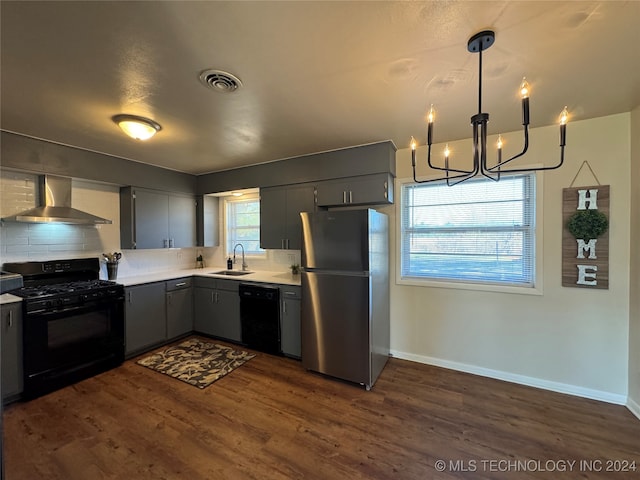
<point>477,44</point>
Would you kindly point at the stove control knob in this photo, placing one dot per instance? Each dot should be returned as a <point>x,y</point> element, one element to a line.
<point>83,297</point>
<point>48,304</point>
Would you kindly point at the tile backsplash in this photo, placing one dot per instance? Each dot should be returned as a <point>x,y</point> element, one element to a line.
<point>21,242</point>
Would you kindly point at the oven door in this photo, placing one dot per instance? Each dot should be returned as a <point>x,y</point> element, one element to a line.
<point>67,345</point>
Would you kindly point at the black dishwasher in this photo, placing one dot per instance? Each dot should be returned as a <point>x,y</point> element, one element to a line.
<point>260,317</point>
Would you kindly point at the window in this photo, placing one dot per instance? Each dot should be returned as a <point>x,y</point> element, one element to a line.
<point>479,231</point>
<point>243,225</point>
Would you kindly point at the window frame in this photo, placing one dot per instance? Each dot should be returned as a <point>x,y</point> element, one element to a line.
<point>262,254</point>
<point>536,289</point>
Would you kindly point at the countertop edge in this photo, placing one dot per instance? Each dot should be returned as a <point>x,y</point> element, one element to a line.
<point>258,276</point>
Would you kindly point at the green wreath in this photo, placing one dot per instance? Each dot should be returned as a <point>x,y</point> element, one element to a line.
<point>587,224</point>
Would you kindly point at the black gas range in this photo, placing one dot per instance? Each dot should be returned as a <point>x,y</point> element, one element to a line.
<point>73,322</point>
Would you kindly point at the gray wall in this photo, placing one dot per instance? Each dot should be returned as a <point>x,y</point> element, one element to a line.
<point>348,162</point>
<point>38,156</point>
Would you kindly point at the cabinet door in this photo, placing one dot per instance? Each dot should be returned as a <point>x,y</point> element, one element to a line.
<point>300,198</point>
<point>179,312</point>
<point>374,189</point>
<point>207,231</point>
<point>290,321</point>
<point>11,318</point>
<point>226,319</point>
<point>204,310</point>
<point>145,315</point>
<point>273,217</point>
<point>182,221</point>
<point>369,189</point>
<point>332,192</point>
<point>151,219</point>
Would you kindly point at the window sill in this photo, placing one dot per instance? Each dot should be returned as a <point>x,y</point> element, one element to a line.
<point>483,287</point>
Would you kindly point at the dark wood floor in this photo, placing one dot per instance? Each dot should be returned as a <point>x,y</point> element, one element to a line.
<point>270,419</point>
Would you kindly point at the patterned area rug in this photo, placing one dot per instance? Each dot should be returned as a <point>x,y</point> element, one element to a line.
<point>196,362</point>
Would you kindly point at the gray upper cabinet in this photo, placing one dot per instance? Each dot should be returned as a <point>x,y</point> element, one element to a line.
<point>280,208</point>
<point>154,219</point>
<point>363,190</point>
<point>207,221</point>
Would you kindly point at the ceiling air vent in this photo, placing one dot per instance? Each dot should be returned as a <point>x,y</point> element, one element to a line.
<point>220,81</point>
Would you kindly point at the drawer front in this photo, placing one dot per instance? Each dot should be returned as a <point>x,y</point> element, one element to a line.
<point>204,282</point>
<point>230,285</point>
<point>290,292</point>
<point>179,284</point>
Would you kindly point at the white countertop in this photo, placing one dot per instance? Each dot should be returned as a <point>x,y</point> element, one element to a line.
<point>8,298</point>
<point>261,276</point>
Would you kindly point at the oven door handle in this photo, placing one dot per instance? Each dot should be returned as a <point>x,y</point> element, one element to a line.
<point>87,307</point>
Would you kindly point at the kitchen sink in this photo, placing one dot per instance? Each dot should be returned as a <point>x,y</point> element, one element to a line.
<point>231,273</point>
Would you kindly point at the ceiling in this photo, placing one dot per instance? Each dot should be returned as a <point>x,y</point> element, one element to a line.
<point>316,76</point>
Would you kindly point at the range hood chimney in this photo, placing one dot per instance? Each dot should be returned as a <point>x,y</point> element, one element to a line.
<point>55,205</point>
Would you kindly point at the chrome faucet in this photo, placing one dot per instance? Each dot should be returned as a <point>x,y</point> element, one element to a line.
<point>244,264</point>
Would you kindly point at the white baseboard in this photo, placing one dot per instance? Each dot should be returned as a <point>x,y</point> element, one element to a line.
<point>523,380</point>
<point>633,407</point>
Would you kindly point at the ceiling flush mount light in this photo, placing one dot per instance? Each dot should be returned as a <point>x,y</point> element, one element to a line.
<point>477,44</point>
<point>140,128</point>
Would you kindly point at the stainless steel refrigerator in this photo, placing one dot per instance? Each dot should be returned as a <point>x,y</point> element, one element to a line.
<point>345,294</point>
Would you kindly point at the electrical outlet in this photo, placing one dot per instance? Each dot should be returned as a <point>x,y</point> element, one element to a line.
<point>292,258</point>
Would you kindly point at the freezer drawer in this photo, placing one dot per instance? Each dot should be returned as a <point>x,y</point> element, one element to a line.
<point>336,331</point>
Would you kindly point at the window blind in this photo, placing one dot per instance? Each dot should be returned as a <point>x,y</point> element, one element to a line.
<point>243,225</point>
<point>479,231</point>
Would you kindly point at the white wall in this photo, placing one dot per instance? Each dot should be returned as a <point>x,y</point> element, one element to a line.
<point>568,339</point>
<point>634,298</point>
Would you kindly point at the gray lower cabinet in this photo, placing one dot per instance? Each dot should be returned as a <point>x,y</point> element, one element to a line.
<point>280,207</point>
<point>217,308</point>
<point>179,302</point>
<point>290,321</point>
<point>363,190</point>
<point>155,219</point>
<point>145,316</point>
<point>11,361</point>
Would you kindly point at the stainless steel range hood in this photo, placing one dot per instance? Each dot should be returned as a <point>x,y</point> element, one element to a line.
<point>55,197</point>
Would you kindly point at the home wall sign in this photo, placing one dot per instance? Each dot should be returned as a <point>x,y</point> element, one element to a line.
<point>585,236</point>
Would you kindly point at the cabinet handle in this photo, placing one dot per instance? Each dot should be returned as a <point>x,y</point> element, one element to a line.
<point>164,242</point>
<point>284,307</point>
<point>181,284</point>
<point>171,242</point>
<point>10,318</point>
<point>344,196</point>
<point>130,293</point>
<point>291,294</point>
<point>168,298</point>
<point>350,196</point>
<point>212,297</point>
<point>216,297</point>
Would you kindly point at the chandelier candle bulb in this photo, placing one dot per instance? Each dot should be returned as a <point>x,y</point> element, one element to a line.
<point>499,144</point>
<point>524,92</point>
<point>430,127</point>
<point>446,156</point>
<point>564,115</point>
<point>413,152</point>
